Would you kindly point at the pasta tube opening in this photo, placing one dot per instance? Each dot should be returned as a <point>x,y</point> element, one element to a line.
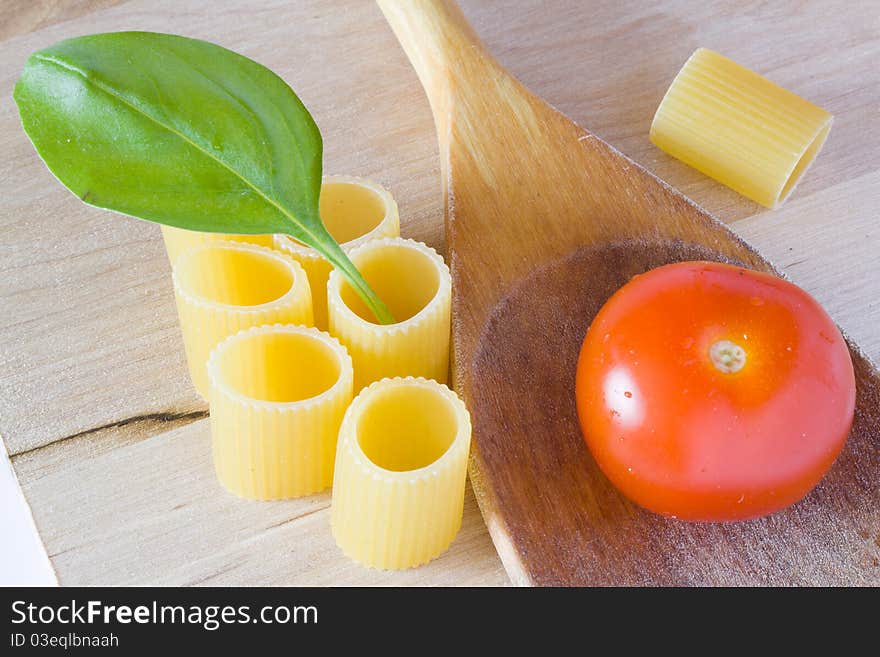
<point>279,366</point>
<point>804,162</point>
<point>406,428</point>
<point>406,279</point>
<point>351,209</point>
<point>355,211</point>
<point>235,277</point>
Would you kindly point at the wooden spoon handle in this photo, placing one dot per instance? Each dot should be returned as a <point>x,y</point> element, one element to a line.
<point>442,48</point>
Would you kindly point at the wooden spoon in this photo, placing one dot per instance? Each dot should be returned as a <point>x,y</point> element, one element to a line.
<point>544,221</point>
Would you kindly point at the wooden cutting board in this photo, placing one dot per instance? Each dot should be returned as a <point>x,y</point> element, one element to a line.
<point>108,439</point>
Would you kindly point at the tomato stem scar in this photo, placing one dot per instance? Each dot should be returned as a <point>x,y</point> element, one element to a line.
<point>727,357</point>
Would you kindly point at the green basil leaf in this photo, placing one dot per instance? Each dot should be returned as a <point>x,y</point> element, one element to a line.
<point>180,132</point>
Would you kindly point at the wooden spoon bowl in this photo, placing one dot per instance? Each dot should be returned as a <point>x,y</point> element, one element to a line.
<point>544,221</point>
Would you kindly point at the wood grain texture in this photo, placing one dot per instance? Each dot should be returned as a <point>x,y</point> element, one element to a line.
<point>89,336</point>
<point>570,221</point>
<point>22,16</point>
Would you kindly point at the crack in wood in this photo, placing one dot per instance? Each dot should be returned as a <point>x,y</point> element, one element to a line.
<point>287,521</point>
<point>222,571</point>
<point>162,417</point>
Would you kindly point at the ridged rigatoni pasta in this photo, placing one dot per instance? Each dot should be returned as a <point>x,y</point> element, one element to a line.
<point>178,240</point>
<point>223,287</point>
<point>415,284</point>
<point>401,465</point>
<point>355,211</point>
<point>739,128</point>
<point>278,396</point>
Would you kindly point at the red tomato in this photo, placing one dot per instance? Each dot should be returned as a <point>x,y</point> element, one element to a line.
<point>711,392</point>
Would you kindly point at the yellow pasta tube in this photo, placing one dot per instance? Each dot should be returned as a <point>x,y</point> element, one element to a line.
<point>278,395</point>
<point>739,128</point>
<point>178,240</point>
<point>224,287</point>
<point>414,282</point>
<point>401,463</point>
<point>354,210</point>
